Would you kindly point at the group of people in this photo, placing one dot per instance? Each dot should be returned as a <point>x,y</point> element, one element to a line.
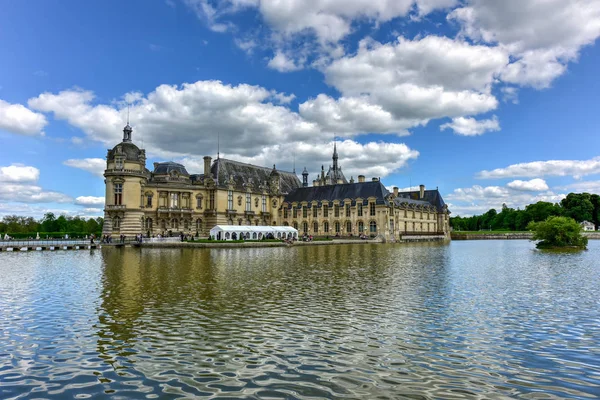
<point>109,239</point>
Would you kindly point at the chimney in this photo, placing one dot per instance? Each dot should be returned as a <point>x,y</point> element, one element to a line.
<point>315,183</point>
<point>395,191</point>
<point>421,191</point>
<point>207,165</point>
<point>361,178</point>
<point>375,179</point>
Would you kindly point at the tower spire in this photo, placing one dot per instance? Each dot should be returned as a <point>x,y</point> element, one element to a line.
<point>127,130</point>
<point>335,157</point>
<point>218,145</point>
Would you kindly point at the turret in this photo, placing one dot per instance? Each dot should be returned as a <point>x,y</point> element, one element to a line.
<point>305,177</point>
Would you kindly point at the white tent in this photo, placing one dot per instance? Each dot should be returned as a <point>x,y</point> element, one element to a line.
<point>250,232</point>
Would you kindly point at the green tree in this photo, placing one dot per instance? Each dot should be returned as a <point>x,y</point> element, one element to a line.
<point>578,206</point>
<point>558,232</point>
<point>48,223</point>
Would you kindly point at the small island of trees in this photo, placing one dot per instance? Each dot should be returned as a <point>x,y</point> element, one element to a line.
<point>558,232</point>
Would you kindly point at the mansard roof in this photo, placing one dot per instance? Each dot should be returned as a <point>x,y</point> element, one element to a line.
<point>432,197</point>
<point>244,174</point>
<point>361,190</point>
<point>168,167</point>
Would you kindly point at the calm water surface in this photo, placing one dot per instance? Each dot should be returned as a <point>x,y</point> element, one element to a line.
<point>475,319</point>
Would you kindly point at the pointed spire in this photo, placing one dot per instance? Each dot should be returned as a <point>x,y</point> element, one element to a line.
<point>127,130</point>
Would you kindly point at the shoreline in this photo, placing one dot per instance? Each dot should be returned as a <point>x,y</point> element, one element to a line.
<point>225,245</point>
<point>508,236</point>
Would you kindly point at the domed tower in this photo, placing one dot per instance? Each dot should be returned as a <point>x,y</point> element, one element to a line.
<point>125,177</point>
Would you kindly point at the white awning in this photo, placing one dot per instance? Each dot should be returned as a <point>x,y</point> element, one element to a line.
<point>244,229</point>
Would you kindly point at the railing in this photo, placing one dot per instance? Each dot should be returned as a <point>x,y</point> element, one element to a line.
<point>46,242</point>
<point>116,206</point>
<point>162,240</point>
<point>173,209</point>
<point>417,233</point>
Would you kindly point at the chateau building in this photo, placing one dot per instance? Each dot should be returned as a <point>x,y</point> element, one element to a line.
<point>169,200</point>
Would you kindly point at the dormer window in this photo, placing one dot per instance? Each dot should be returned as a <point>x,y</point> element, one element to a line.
<point>118,163</point>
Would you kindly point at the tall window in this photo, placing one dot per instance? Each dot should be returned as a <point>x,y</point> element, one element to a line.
<point>325,210</point>
<point>347,210</point>
<point>149,200</point>
<point>211,200</point>
<point>316,227</point>
<point>372,209</point>
<point>199,202</point>
<point>392,225</point>
<point>359,209</point>
<point>119,163</point>
<point>248,202</point>
<point>361,227</point>
<point>305,227</point>
<point>304,213</point>
<point>116,223</point>
<point>174,200</point>
<point>326,227</point>
<point>118,193</point>
<point>199,224</point>
<point>373,227</point>
<point>295,225</point>
<point>230,199</point>
<point>285,212</point>
<point>315,210</point>
<point>264,203</point>
<point>336,211</point>
<point>148,224</point>
<point>294,212</point>
<point>348,227</point>
<point>337,227</point>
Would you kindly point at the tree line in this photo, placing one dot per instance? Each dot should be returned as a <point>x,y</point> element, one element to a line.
<point>50,225</point>
<point>579,206</point>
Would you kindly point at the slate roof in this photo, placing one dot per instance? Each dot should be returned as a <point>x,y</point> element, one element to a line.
<point>130,150</point>
<point>339,192</point>
<point>332,175</point>
<point>432,197</point>
<point>243,174</point>
<point>168,167</point>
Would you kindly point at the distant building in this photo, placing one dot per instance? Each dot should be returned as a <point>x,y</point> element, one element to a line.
<point>169,200</point>
<point>588,226</point>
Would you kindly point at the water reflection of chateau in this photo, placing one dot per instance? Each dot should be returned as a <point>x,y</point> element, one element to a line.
<point>229,192</point>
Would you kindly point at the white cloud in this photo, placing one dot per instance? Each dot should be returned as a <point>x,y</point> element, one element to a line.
<point>575,168</point>
<point>542,36</point>
<point>282,63</point>
<point>355,158</point>
<point>17,118</point>
<point>18,173</point>
<point>244,116</point>
<point>95,166</point>
<point>89,201</point>
<point>25,193</point>
<point>471,126</point>
<point>582,187</point>
<point>478,199</point>
<point>534,185</point>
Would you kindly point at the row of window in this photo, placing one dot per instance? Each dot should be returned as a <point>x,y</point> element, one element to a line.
<point>337,227</point>
<point>336,211</point>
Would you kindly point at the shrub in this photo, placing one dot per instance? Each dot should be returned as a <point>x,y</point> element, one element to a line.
<point>558,232</point>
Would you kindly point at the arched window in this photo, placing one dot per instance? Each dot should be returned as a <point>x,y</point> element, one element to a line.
<point>199,202</point>
<point>373,227</point>
<point>286,224</point>
<point>305,227</point>
<point>326,227</point>
<point>234,236</point>
<point>254,235</point>
<point>337,226</point>
<point>348,227</point>
<point>175,223</point>
<point>316,227</point>
<point>148,224</point>
<point>361,227</point>
<point>227,236</point>
<point>295,225</point>
<point>162,224</point>
<point>116,223</point>
<point>198,224</point>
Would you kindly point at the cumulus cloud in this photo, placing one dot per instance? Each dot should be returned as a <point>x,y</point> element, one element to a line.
<point>471,127</point>
<point>245,117</point>
<point>355,158</point>
<point>16,118</point>
<point>89,201</point>
<point>95,166</point>
<point>282,63</point>
<point>542,36</point>
<point>28,193</point>
<point>18,173</point>
<point>575,168</point>
<point>534,185</point>
<point>479,199</point>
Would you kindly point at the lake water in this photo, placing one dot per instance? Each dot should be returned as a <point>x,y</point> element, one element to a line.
<point>471,319</point>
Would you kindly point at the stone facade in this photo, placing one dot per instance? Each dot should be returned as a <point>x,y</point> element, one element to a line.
<point>168,200</point>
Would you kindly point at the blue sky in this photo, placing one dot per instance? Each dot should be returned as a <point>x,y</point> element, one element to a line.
<point>492,102</point>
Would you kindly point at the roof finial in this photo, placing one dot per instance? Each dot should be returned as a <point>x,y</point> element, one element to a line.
<point>294,157</point>
<point>127,113</point>
<point>218,145</point>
